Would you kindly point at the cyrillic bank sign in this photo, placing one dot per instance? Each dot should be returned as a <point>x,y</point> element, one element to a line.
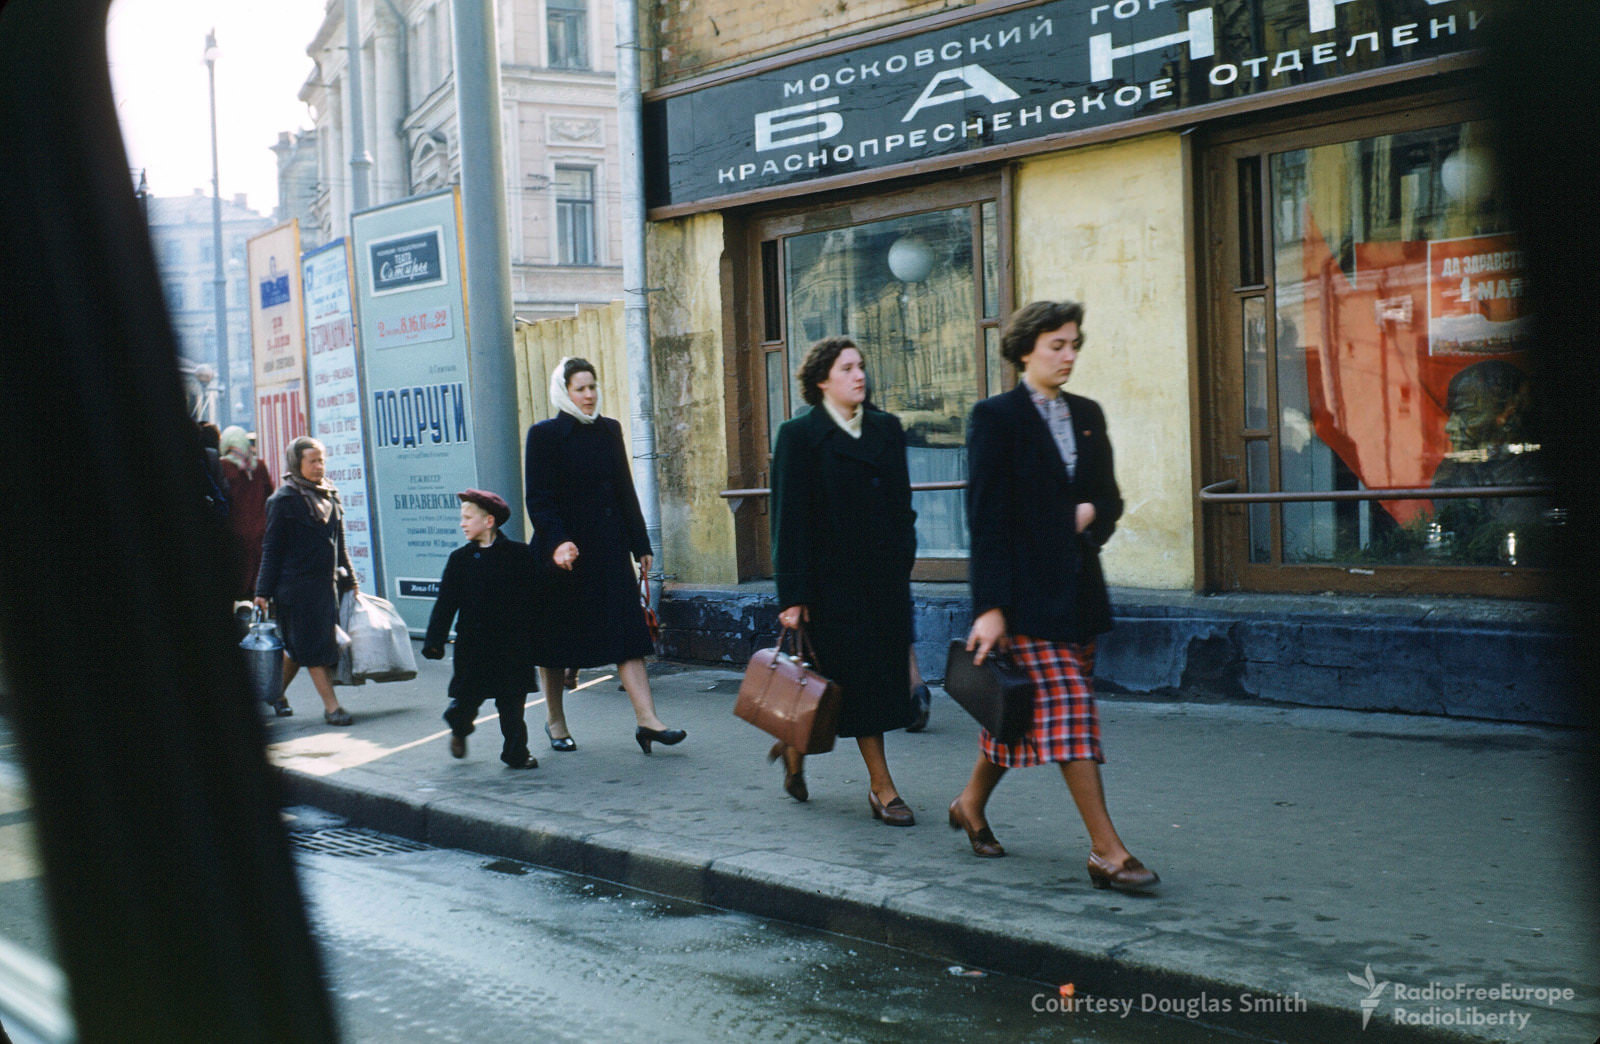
<point>1024,73</point>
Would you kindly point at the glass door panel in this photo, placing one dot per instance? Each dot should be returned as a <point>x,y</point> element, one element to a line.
<point>906,291</point>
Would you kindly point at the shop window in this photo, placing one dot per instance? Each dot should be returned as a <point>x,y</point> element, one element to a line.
<point>921,293</point>
<point>1375,336</point>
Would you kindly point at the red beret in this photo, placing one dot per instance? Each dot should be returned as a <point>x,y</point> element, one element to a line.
<point>493,503</point>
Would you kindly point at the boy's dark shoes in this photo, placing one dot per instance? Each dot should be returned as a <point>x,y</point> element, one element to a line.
<point>530,763</point>
<point>458,746</point>
<point>432,653</point>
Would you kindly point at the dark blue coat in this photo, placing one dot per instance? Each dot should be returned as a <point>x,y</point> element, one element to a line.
<point>489,593</point>
<point>843,543</point>
<point>579,488</point>
<point>300,560</point>
<point>1027,558</point>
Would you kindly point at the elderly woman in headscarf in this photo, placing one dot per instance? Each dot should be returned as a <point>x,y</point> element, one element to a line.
<point>304,566</point>
<point>249,486</point>
<point>588,527</point>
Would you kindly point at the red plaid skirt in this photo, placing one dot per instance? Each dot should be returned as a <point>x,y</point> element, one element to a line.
<point>1065,726</point>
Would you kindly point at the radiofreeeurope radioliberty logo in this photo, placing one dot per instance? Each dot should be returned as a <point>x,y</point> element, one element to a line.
<point>1369,1003</point>
<point>1445,1004</point>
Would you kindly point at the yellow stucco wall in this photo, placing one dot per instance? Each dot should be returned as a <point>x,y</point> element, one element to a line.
<point>686,343</point>
<point>1105,225</point>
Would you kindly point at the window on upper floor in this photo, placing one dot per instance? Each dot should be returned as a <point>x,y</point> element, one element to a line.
<point>575,215</point>
<point>567,26</point>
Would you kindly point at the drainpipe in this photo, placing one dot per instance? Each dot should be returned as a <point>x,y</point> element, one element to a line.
<point>636,305</point>
<point>360,160</point>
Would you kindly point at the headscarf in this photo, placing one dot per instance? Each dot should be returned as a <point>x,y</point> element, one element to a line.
<point>235,446</point>
<point>320,497</point>
<point>562,401</point>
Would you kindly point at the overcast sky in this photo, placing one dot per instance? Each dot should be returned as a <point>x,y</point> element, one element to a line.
<point>158,74</point>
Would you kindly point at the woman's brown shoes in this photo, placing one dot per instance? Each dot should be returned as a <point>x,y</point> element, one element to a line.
<point>895,813</point>
<point>794,783</point>
<point>1131,876</point>
<point>983,843</point>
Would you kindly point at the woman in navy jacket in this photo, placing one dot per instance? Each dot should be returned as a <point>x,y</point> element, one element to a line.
<point>1041,500</point>
<point>588,526</point>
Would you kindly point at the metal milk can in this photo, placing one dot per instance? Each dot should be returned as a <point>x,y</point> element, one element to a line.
<point>263,657</point>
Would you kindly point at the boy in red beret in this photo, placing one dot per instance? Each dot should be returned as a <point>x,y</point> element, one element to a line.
<point>490,584</point>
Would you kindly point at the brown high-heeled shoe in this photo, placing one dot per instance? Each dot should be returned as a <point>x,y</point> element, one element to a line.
<point>983,842</point>
<point>1131,876</point>
<point>794,783</point>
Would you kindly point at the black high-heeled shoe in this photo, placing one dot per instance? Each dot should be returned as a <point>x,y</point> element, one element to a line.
<point>665,737</point>
<point>564,743</point>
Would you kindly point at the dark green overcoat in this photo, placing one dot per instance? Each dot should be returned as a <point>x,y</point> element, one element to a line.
<point>843,543</point>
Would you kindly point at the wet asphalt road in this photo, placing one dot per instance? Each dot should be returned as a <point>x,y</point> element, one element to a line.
<point>425,944</point>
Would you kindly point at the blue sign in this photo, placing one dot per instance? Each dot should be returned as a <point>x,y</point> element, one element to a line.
<point>275,291</point>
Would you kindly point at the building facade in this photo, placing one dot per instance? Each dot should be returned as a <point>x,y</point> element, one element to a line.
<point>181,234</point>
<point>298,185</point>
<point>1282,215</point>
<point>558,127</point>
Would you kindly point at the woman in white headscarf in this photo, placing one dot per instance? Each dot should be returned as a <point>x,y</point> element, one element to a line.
<point>589,529</point>
<point>249,486</point>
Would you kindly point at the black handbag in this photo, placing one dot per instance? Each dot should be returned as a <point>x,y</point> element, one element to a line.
<point>996,692</point>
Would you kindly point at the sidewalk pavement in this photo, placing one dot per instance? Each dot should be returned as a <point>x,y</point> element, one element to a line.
<point>1298,847</point>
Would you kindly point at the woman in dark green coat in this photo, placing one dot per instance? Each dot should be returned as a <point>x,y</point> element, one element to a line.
<point>843,543</point>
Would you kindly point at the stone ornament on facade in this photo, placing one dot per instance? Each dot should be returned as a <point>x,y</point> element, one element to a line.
<point>569,130</point>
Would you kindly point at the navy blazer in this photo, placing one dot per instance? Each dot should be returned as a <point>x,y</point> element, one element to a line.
<point>1027,559</point>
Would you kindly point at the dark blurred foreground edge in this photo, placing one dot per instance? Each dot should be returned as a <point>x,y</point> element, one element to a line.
<point>1545,97</point>
<point>174,901</point>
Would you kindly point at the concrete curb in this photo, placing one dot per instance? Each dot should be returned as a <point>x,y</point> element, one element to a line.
<point>929,919</point>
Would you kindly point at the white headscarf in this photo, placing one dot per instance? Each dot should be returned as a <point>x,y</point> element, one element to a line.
<point>562,401</point>
<point>235,446</point>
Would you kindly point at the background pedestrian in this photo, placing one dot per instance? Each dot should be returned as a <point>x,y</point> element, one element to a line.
<point>588,527</point>
<point>304,567</point>
<point>249,486</point>
<point>490,584</point>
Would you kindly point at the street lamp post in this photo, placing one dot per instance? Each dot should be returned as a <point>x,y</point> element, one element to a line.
<point>219,280</point>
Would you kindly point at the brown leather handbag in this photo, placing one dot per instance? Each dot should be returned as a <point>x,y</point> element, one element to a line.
<point>783,696</point>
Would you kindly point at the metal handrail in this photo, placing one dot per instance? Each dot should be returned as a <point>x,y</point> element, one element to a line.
<point>1214,493</point>
<point>916,487</point>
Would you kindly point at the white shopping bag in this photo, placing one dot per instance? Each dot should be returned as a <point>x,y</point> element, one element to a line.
<point>343,673</point>
<point>380,645</point>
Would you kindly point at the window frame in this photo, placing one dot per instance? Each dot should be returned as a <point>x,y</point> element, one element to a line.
<point>1221,289</point>
<point>571,15</point>
<point>749,434</point>
<point>564,207</point>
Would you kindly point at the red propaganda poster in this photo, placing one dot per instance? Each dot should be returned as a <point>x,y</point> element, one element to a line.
<point>1386,340</point>
<point>1476,303</point>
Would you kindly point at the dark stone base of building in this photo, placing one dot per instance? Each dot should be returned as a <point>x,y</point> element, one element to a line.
<point>1470,658</point>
